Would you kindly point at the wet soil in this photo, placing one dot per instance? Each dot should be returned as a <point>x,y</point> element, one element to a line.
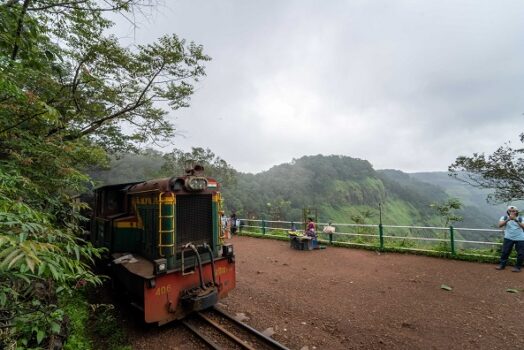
<point>340,298</point>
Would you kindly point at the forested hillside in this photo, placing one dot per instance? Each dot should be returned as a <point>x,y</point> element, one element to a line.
<point>343,189</point>
<point>437,186</point>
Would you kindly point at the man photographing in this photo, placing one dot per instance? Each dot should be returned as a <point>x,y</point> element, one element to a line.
<point>513,236</point>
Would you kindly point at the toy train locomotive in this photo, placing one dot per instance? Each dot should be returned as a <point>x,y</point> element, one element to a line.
<point>165,243</point>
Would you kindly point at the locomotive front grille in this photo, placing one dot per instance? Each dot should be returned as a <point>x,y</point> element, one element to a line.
<point>194,220</point>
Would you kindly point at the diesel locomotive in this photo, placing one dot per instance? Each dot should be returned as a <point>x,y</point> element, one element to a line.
<point>165,242</point>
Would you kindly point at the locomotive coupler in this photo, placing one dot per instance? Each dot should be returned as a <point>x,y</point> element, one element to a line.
<point>199,299</point>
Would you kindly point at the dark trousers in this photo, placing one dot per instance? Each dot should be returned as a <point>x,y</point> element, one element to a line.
<point>507,246</point>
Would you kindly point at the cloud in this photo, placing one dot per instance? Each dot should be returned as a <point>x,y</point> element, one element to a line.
<point>405,84</point>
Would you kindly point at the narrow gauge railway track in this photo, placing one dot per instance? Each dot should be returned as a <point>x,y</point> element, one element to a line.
<point>219,331</point>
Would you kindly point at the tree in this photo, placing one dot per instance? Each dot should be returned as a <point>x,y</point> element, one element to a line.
<point>447,211</point>
<point>502,171</point>
<point>69,94</point>
<point>129,167</point>
<point>90,86</point>
<point>279,209</point>
<point>175,163</point>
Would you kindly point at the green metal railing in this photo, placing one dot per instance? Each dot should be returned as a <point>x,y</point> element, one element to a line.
<point>443,240</point>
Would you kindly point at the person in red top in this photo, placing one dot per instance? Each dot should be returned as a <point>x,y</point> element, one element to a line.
<point>311,228</point>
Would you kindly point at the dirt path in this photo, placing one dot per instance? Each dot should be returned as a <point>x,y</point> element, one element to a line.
<point>341,298</point>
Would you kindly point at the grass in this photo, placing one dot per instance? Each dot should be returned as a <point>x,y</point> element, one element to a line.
<point>440,249</point>
<point>92,326</point>
<point>76,308</point>
<point>106,329</point>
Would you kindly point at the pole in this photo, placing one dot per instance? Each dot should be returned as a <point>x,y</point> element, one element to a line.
<point>381,235</point>
<point>380,227</point>
<point>380,213</point>
<point>452,239</point>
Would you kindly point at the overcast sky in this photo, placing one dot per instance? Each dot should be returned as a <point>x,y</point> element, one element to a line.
<point>406,85</point>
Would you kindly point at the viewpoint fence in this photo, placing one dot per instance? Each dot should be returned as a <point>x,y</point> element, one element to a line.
<point>452,241</point>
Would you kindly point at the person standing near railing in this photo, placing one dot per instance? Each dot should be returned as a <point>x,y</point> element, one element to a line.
<point>233,223</point>
<point>513,236</point>
<point>225,226</point>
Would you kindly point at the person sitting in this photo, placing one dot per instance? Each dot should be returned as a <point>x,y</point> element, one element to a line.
<point>311,228</point>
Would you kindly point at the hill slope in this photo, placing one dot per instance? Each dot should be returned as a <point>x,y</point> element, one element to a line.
<point>343,189</point>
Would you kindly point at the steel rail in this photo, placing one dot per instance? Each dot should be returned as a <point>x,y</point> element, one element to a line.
<point>202,336</point>
<point>225,331</point>
<point>253,331</point>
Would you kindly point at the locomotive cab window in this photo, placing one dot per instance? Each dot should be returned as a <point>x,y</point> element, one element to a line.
<point>112,202</point>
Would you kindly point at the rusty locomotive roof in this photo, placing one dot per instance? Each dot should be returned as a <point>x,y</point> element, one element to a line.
<point>162,185</point>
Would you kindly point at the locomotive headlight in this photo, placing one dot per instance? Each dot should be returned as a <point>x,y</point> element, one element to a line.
<point>160,266</point>
<point>196,183</point>
<point>227,250</point>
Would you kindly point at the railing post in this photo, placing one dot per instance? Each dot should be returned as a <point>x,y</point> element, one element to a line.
<point>452,239</point>
<point>381,235</point>
<point>263,227</point>
<point>330,238</point>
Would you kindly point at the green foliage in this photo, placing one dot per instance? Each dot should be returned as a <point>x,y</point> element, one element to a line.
<point>148,164</point>
<point>92,326</point>
<point>77,309</point>
<point>407,188</point>
<point>37,323</point>
<point>447,211</point>
<point>106,328</point>
<point>69,94</point>
<point>40,256</point>
<point>129,167</point>
<point>177,161</point>
<point>412,246</point>
<point>307,182</point>
<point>341,188</point>
<point>278,210</point>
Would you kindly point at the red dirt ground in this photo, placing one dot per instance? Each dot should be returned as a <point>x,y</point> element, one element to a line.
<point>341,298</point>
